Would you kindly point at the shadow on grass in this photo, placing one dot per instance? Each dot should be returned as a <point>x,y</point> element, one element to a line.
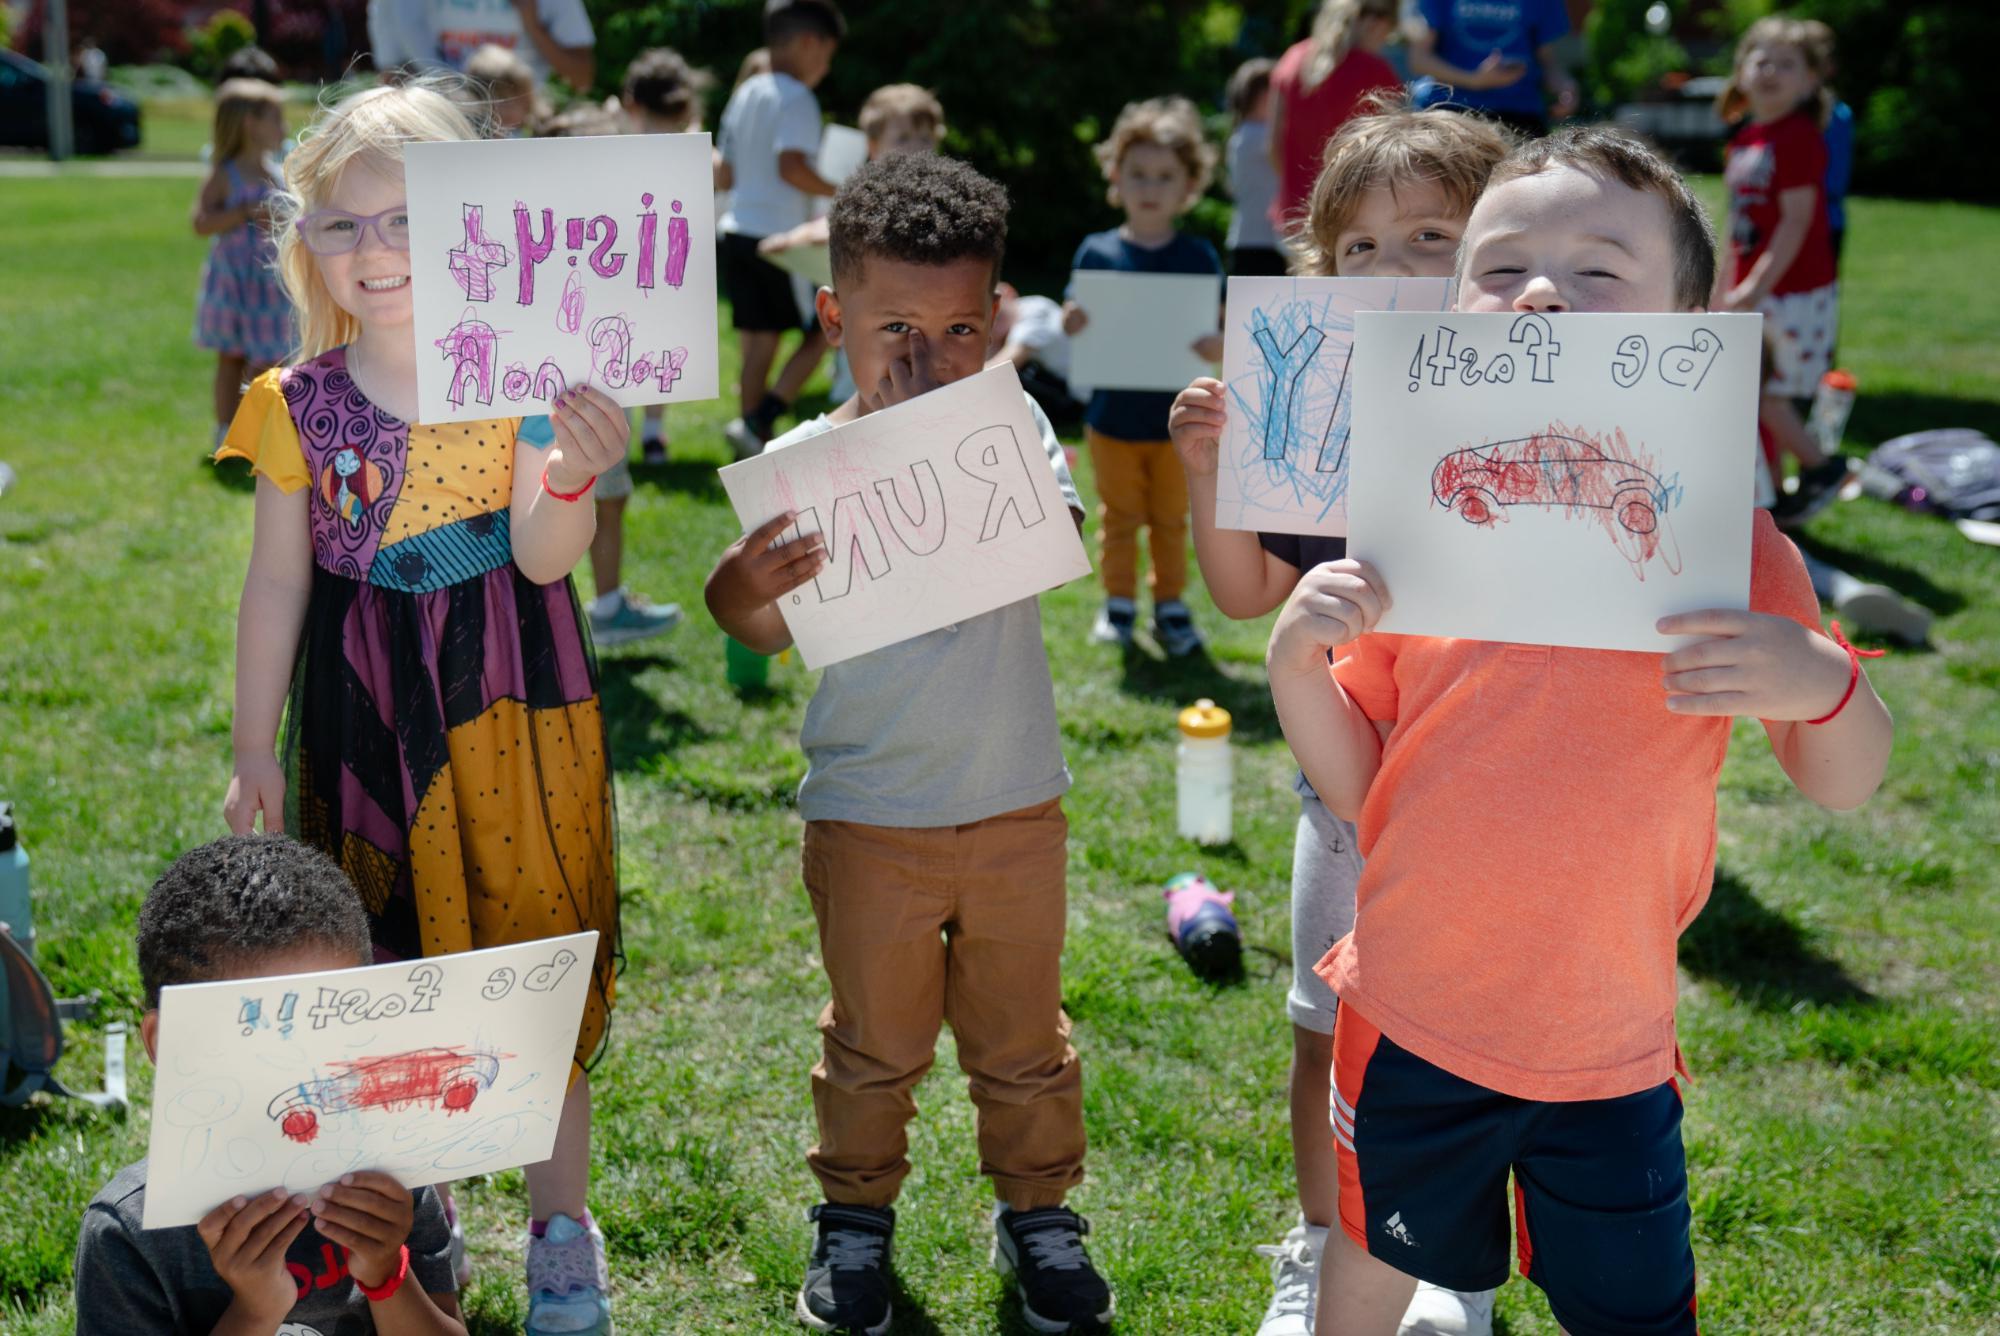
<point>1911,584</point>
<point>694,478</point>
<point>1181,682</point>
<point>231,474</point>
<point>1878,417</point>
<point>640,732</point>
<point>1761,956</point>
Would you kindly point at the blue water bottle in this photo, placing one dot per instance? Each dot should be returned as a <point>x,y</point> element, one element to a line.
<point>14,882</point>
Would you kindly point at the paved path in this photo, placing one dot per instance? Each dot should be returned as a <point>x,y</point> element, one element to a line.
<point>24,166</point>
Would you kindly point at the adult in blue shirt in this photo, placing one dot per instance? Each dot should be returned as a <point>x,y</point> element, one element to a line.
<point>1495,57</point>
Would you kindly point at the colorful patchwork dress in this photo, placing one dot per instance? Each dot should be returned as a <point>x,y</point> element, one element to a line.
<point>243,309</point>
<point>443,739</point>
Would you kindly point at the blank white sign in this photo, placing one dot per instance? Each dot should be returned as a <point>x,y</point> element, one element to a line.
<point>1142,328</point>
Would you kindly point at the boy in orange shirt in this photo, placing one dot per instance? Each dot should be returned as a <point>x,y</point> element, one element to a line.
<point>1539,827</point>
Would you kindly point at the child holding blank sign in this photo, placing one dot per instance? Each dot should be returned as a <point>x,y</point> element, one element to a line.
<point>1158,164</point>
<point>1507,996</point>
<point>935,842</point>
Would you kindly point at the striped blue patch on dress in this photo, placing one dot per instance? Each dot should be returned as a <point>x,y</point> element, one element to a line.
<point>445,555</point>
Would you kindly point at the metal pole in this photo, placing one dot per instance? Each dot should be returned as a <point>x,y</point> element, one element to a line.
<point>55,55</point>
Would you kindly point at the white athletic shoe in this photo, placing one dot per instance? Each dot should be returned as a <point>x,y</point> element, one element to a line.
<point>1294,1281</point>
<point>1435,1311</point>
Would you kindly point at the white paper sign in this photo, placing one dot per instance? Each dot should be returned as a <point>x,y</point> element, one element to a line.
<point>1142,328</point>
<point>429,1070</point>
<point>1287,364</point>
<point>842,150</point>
<point>812,263</point>
<point>1554,480</point>
<point>538,264</point>
<point>934,511</point>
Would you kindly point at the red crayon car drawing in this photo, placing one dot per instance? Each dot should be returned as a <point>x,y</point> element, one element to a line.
<point>446,1078</point>
<point>1564,468</point>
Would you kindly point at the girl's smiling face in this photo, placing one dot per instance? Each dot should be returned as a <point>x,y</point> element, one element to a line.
<point>1776,79</point>
<point>372,281</point>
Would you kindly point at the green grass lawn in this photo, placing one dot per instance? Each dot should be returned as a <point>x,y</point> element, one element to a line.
<point>1841,993</point>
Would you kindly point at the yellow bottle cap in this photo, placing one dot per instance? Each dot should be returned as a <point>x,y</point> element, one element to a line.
<point>1205,719</point>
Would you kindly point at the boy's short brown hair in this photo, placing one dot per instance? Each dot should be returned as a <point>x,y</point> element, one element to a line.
<point>913,102</point>
<point>1394,146</point>
<point>1602,151</point>
<point>661,83</point>
<point>1170,122</point>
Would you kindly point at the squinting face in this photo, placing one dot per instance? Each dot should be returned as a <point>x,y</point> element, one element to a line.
<point>1152,184</point>
<point>901,135</point>
<point>1407,232</point>
<point>1568,240</point>
<point>372,281</point>
<point>1775,77</point>
<point>872,316</point>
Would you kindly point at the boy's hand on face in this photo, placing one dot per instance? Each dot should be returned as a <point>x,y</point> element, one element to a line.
<point>1074,318</point>
<point>1196,423</point>
<point>1334,604</point>
<point>591,436</point>
<point>246,1240</point>
<point>753,573</point>
<point>370,1215</point>
<point>910,375</point>
<point>1752,664</point>
<point>1209,347</point>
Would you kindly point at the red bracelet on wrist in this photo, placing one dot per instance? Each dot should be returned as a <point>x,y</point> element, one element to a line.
<point>377,1293</point>
<point>577,495</point>
<point>1854,658</point>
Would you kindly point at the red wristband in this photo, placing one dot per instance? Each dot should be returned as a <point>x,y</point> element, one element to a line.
<point>377,1293</point>
<point>1854,658</point>
<point>577,495</point>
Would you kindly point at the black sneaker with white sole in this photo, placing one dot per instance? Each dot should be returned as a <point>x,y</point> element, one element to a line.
<point>1043,1251</point>
<point>847,1281</point>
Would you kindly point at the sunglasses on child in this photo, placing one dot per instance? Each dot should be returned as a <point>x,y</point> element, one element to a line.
<point>336,232</point>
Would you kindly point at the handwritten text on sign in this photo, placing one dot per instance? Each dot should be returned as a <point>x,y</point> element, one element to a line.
<point>429,1070</point>
<point>933,511</point>
<point>1557,480</point>
<point>541,264</point>
<point>1287,367</point>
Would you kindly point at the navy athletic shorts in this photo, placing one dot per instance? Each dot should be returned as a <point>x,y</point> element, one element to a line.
<point>1600,1187</point>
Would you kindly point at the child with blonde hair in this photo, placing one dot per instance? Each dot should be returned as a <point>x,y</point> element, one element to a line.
<point>1157,162</point>
<point>1780,257</point>
<point>1319,85</point>
<point>1391,203</point>
<point>242,314</point>
<point>513,97</point>
<point>408,611</point>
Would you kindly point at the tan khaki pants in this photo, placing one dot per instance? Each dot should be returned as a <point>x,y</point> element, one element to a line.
<point>1139,482</point>
<point>961,924</point>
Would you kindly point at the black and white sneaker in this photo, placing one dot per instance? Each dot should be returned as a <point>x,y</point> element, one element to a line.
<point>1043,1251</point>
<point>847,1281</point>
<point>1173,628</point>
<point>1115,621</point>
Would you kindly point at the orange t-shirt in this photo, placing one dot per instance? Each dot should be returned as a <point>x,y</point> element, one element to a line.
<point>1539,834</point>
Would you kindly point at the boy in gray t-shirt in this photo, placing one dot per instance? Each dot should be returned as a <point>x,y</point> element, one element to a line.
<point>935,843</point>
<point>338,1262</point>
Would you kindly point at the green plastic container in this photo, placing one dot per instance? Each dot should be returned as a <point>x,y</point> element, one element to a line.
<point>744,666</point>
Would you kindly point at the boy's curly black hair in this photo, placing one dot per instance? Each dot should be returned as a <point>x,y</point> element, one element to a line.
<point>227,903</point>
<point>919,208</point>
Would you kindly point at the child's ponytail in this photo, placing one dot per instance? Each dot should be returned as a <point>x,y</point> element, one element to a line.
<point>1333,34</point>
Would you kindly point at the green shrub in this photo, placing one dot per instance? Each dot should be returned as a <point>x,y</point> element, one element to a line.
<point>225,33</point>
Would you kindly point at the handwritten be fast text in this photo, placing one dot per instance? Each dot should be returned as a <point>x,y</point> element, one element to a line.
<point>351,1006</point>
<point>1441,359</point>
<point>472,346</point>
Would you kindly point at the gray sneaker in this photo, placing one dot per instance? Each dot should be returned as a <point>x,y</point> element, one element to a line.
<point>1115,621</point>
<point>635,619</point>
<point>744,442</point>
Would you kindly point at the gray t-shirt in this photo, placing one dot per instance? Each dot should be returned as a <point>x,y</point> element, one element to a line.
<point>161,1281</point>
<point>952,727</point>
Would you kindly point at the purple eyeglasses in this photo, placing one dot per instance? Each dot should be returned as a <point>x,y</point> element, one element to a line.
<point>336,232</point>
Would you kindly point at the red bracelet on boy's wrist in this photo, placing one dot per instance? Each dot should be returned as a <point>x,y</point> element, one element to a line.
<point>1854,658</point>
<point>377,1293</point>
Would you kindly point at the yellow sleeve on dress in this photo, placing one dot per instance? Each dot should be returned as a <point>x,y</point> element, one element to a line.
<point>262,432</point>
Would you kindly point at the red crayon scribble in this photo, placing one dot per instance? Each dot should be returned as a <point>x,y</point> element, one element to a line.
<point>442,1078</point>
<point>1587,475</point>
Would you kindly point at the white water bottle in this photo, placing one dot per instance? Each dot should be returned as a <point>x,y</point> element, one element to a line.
<point>1205,774</point>
<point>1832,402</point>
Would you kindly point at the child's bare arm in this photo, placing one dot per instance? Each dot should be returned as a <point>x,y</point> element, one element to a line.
<point>725,175</point>
<point>1336,743</point>
<point>1788,238</point>
<point>370,1214</point>
<point>1244,580</point>
<point>550,534</point>
<point>1779,671</point>
<point>211,214</point>
<point>268,620</point>
<point>754,573</point>
<point>795,169</point>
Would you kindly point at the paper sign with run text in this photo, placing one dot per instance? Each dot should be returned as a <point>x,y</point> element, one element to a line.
<point>933,511</point>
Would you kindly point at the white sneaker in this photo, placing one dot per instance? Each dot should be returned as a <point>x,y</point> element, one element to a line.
<point>1436,1311</point>
<point>1115,621</point>
<point>744,442</point>
<point>1877,608</point>
<point>1294,1281</point>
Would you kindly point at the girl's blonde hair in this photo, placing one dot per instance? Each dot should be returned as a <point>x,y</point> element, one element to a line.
<point>1170,122</point>
<point>1394,147</point>
<point>1732,104</point>
<point>1334,30</point>
<point>376,122</point>
<point>237,103</point>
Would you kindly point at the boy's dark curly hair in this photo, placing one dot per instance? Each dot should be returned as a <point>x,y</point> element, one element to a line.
<point>919,208</point>
<point>660,81</point>
<point>224,905</point>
